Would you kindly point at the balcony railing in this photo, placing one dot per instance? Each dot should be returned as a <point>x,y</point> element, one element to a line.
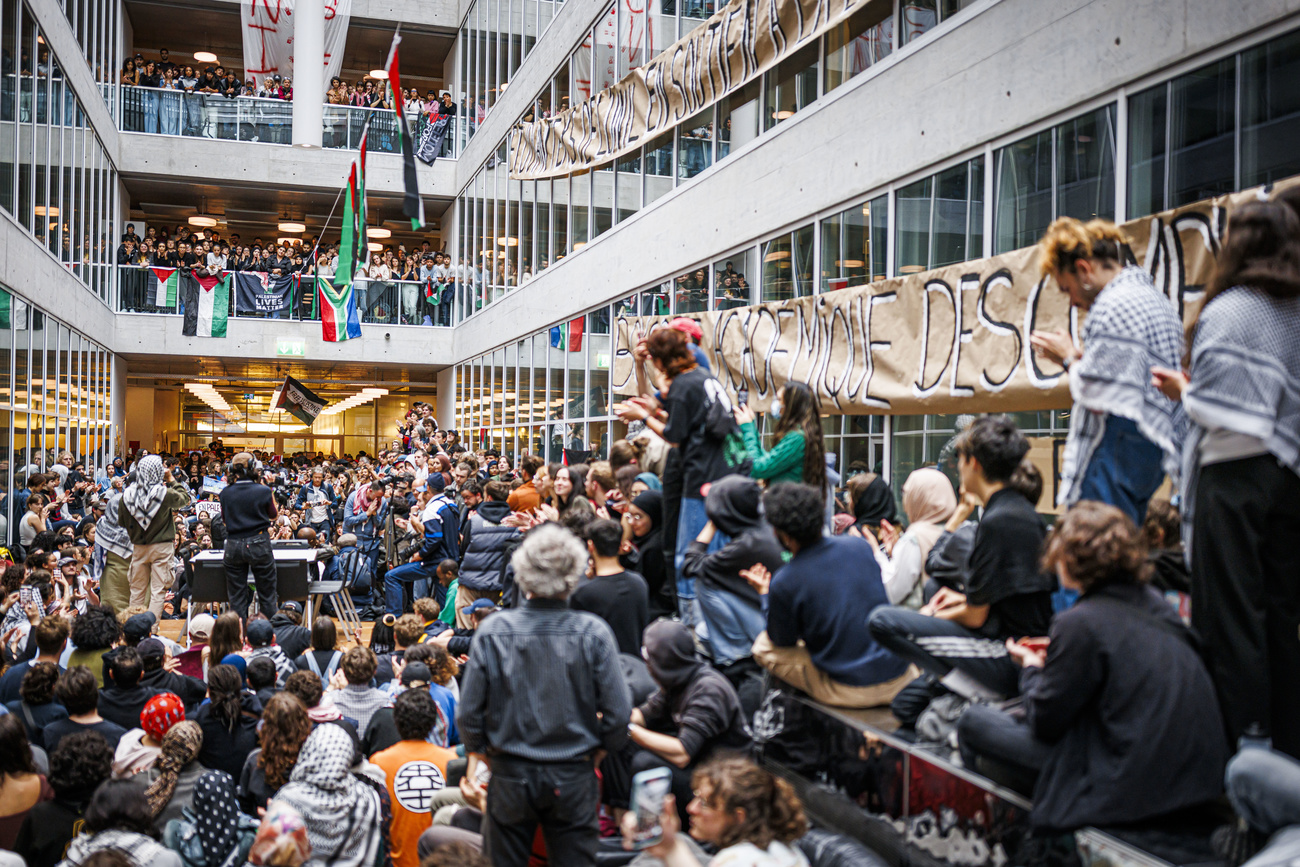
<point>379,302</point>
<point>270,121</point>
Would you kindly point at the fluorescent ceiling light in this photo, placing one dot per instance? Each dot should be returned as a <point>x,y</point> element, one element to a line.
<point>378,232</point>
<point>381,74</point>
<point>289,226</point>
<point>374,247</point>
<point>205,57</point>
<point>203,220</point>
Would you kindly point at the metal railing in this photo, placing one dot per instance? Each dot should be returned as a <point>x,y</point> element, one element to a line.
<point>246,118</point>
<point>379,302</point>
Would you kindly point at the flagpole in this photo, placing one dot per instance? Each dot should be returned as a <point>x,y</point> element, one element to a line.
<point>316,248</point>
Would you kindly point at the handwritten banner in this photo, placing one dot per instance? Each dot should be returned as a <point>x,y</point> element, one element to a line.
<point>951,340</point>
<point>733,47</point>
<point>267,27</point>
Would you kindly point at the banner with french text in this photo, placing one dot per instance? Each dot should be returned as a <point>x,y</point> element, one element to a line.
<point>955,339</point>
<point>732,47</point>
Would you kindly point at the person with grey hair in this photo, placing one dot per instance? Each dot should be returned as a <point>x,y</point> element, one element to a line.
<point>544,696</point>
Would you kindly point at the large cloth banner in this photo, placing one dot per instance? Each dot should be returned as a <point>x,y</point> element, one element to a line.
<point>267,28</point>
<point>259,292</point>
<point>951,340</point>
<point>734,46</point>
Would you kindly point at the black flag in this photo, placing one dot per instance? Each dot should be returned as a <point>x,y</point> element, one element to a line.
<point>296,399</point>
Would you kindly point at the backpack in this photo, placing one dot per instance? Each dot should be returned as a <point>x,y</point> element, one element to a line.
<point>314,667</point>
<point>353,568</point>
<point>182,837</point>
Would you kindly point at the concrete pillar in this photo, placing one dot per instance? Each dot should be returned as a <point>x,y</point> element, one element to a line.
<point>308,71</point>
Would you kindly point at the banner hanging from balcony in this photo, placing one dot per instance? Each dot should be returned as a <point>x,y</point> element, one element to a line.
<point>267,27</point>
<point>734,46</point>
<point>951,340</point>
<point>259,292</point>
<point>207,304</point>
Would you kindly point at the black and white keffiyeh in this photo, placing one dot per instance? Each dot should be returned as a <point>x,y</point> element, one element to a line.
<point>1131,328</point>
<point>342,814</point>
<point>144,497</point>
<point>1245,379</point>
<point>142,850</point>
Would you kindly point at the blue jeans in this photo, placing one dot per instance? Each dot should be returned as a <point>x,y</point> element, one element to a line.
<point>733,624</point>
<point>417,573</point>
<point>1124,471</point>
<point>1264,788</point>
<point>689,524</point>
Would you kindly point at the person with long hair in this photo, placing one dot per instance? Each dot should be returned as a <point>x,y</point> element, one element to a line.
<point>285,727</point>
<point>1241,488</point>
<point>750,816</point>
<point>227,638</point>
<point>1119,672</point>
<point>700,423</point>
<point>800,452</point>
<point>228,720</point>
<point>1124,434</point>
<point>323,657</point>
<point>22,787</point>
<point>569,486</point>
<point>175,771</point>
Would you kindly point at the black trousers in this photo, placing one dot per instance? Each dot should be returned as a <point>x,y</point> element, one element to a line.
<point>1246,593</point>
<point>1001,747</point>
<point>254,551</point>
<point>562,797</point>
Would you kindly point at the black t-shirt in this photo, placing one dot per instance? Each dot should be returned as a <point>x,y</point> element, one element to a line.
<point>621,600</point>
<point>1003,570</point>
<point>247,507</point>
<point>700,424</point>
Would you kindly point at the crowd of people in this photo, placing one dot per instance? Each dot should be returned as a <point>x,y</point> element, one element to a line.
<point>161,108</point>
<point>412,287</point>
<point>547,635</point>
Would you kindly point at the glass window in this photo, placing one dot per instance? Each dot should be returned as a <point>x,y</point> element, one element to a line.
<point>912,226</point>
<point>628,182</point>
<point>691,291</point>
<point>6,344</point>
<point>695,144</point>
<point>792,85</point>
<point>738,118</point>
<point>778,280</point>
<point>860,40</point>
<point>658,167</point>
<point>580,207</point>
<point>1085,159</point>
<point>1023,185</point>
<point>1202,126</point>
<point>1270,107</point>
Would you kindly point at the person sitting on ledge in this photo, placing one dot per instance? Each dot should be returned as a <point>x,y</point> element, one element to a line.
<point>817,605</point>
<point>1119,674</point>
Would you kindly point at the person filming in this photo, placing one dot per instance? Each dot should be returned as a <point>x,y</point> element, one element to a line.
<point>248,508</point>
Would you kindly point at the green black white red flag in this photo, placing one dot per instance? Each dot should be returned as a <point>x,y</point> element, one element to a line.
<point>299,401</point>
<point>412,204</point>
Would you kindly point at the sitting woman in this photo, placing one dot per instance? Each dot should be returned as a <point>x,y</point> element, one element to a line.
<point>119,818</point>
<point>929,501</point>
<point>750,816</point>
<point>1119,674</point>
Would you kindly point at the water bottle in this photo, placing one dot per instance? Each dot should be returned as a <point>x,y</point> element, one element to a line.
<point>1255,736</point>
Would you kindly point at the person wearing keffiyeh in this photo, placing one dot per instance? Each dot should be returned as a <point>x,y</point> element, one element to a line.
<point>341,812</point>
<point>145,511</point>
<point>1241,478</point>
<point>1124,434</point>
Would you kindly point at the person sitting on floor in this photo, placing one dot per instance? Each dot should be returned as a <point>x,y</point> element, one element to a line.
<point>1119,674</point>
<point>817,605</point>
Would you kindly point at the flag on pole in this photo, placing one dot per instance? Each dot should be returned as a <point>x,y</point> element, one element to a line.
<point>163,286</point>
<point>359,196</point>
<point>412,204</point>
<point>569,336</point>
<point>207,304</point>
<point>339,320</point>
<point>299,401</point>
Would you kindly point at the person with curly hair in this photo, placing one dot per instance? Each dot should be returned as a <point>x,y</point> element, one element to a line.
<point>285,727</point>
<point>94,632</point>
<point>1119,672</point>
<point>77,767</point>
<point>35,704</point>
<point>752,817</point>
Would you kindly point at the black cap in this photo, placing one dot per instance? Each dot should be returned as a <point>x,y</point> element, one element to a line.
<point>260,633</point>
<point>151,648</point>
<point>291,605</point>
<point>416,671</point>
<point>139,627</point>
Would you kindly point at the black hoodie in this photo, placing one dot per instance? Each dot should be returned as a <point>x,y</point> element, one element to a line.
<point>733,507</point>
<point>695,703</point>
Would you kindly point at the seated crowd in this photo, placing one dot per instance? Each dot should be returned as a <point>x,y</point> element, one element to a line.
<point>548,637</point>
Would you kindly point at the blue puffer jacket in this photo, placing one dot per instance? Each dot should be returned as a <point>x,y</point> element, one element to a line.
<point>489,545</point>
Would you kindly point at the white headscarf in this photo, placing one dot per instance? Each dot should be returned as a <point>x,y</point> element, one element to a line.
<point>341,812</point>
<point>144,496</point>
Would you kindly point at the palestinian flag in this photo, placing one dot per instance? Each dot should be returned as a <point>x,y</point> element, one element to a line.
<point>207,304</point>
<point>568,337</point>
<point>6,309</point>
<point>432,291</point>
<point>163,286</point>
<point>412,204</point>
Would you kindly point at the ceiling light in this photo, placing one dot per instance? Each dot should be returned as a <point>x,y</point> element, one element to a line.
<point>374,247</point>
<point>851,263</point>
<point>911,269</point>
<point>43,211</point>
<point>204,220</point>
<point>381,74</point>
<point>378,232</point>
<point>377,392</point>
<point>784,115</point>
<point>288,226</point>
<point>205,57</point>
<point>508,242</point>
<point>776,256</point>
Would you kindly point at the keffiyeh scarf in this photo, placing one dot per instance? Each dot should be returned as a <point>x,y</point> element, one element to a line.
<point>1245,378</point>
<point>144,497</point>
<point>1130,329</point>
<point>341,812</point>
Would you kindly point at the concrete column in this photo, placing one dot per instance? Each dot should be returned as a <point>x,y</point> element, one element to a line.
<point>308,71</point>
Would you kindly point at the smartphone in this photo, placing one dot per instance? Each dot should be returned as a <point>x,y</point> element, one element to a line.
<point>27,594</point>
<point>742,396</point>
<point>649,788</point>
